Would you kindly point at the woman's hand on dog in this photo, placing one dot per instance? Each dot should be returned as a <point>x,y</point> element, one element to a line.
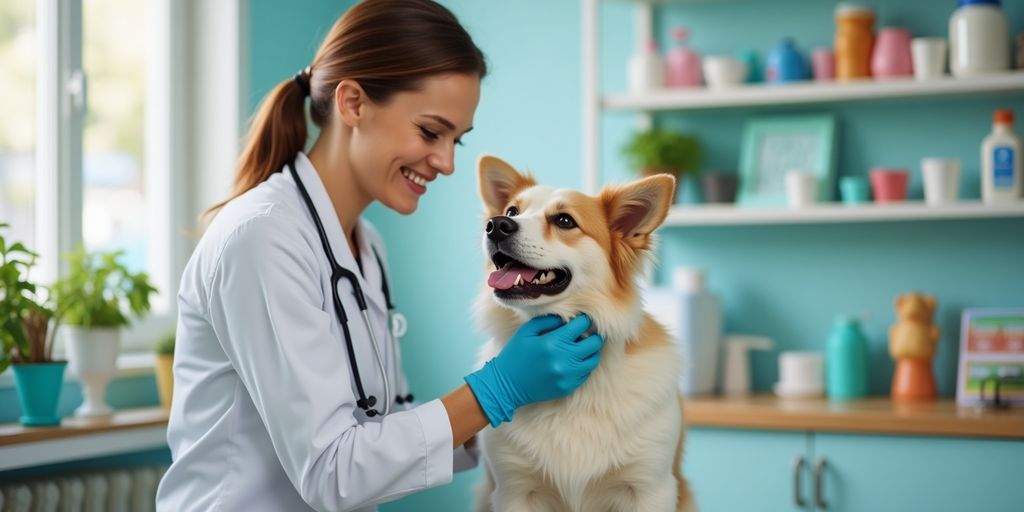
<point>543,360</point>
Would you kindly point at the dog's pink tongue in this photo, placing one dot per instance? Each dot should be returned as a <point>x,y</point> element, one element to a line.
<point>505,278</point>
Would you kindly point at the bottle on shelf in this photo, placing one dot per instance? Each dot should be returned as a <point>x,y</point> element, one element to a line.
<point>646,69</point>
<point>682,65</point>
<point>979,38</point>
<point>846,360</point>
<point>1001,179</point>
<point>854,41</point>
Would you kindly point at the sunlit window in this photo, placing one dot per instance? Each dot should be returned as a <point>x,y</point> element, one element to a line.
<point>113,56</point>
<point>18,55</point>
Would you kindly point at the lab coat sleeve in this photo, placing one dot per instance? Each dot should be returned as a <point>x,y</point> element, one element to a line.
<point>265,299</point>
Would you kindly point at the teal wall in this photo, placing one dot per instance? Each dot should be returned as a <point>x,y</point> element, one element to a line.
<point>786,282</point>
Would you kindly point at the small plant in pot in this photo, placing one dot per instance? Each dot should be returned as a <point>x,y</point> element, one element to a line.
<point>164,368</point>
<point>660,150</point>
<point>96,299</point>
<point>27,338</point>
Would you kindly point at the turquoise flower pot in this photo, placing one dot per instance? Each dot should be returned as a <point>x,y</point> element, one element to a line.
<point>39,386</point>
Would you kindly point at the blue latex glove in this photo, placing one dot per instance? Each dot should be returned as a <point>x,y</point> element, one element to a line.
<point>542,361</point>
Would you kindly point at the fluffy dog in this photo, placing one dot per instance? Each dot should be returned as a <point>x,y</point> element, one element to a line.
<point>615,444</point>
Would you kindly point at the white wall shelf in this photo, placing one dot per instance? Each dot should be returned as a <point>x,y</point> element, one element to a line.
<point>814,92</point>
<point>727,214</point>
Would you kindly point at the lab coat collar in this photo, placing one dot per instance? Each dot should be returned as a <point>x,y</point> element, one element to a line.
<point>370,278</point>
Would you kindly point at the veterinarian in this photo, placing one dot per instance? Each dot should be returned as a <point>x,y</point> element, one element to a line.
<point>278,403</point>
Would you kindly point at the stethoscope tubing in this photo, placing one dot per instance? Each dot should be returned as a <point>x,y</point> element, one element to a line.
<point>337,273</point>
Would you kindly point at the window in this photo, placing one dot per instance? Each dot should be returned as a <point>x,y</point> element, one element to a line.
<point>18,54</point>
<point>113,173</point>
<point>85,96</point>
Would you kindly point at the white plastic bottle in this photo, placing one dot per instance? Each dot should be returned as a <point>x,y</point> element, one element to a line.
<point>646,69</point>
<point>1001,179</point>
<point>979,38</point>
<point>700,331</point>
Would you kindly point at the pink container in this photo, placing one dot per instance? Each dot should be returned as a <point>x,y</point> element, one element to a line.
<point>682,65</point>
<point>889,185</point>
<point>823,60</point>
<point>891,56</point>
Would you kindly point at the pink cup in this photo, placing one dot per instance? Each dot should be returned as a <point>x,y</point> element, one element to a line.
<point>823,60</point>
<point>891,56</point>
<point>889,185</point>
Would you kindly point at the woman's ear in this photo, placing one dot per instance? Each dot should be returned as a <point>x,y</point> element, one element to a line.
<point>499,181</point>
<point>635,210</point>
<point>350,102</point>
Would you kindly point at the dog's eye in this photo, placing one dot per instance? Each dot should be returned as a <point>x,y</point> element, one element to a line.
<point>564,221</point>
<point>512,211</point>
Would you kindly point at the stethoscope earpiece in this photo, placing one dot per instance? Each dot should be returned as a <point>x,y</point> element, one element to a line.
<point>407,399</point>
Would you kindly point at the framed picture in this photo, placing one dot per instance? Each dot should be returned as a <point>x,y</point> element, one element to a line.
<point>773,146</point>
<point>991,349</point>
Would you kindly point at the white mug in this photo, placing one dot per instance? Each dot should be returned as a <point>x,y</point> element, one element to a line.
<point>801,189</point>
<point>801,374</point>
<point>941,180</point>
<point>929,56</point>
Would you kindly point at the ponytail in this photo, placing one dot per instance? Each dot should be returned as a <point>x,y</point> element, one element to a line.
<point>278,132</point>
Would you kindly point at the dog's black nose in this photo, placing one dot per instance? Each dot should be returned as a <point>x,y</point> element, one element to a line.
<point>500,228</point>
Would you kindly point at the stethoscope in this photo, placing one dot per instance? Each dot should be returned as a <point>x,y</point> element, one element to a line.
<point>399,326</point>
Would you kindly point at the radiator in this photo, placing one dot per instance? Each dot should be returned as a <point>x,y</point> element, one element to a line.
<point>116,490</point>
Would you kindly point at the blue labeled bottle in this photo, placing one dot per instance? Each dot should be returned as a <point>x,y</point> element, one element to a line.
<point>846,360</point>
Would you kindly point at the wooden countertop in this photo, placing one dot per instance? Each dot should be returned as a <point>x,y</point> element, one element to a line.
<point>870,416</point>
<point>126,419</point>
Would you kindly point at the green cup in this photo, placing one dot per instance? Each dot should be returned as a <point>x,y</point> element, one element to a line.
<point>854,189</point>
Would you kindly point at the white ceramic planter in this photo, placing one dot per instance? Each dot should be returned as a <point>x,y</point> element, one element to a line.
<point>92,358</point>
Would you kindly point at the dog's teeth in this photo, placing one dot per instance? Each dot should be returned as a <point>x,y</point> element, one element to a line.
<point>519,280</point>
<point>534,281</point>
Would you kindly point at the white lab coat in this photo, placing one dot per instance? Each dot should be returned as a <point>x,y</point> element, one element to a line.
<point>264,413</point>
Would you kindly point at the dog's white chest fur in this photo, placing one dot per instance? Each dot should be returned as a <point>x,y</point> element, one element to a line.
<point>619,428</point>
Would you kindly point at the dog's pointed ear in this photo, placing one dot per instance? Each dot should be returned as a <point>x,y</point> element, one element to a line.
<point>499,181</point>
<point>635,210</point>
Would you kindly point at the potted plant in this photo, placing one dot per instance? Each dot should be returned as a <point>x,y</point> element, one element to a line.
<point>95,300</point>
<point>660,150</point>
<point>164,368</point>
<point>27,339</point>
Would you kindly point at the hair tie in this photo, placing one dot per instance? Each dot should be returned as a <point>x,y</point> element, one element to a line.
<point>302,78</point>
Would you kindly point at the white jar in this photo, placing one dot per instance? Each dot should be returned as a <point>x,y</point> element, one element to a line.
<point>979,39</point>
<point>646,69</point>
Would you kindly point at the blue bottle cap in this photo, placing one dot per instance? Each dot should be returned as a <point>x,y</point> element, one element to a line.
<point>979,2</point>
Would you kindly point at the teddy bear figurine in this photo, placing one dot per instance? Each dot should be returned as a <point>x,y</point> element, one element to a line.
<point>912,343</point>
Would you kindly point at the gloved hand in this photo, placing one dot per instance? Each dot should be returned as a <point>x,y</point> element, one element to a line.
<point>541,361</point>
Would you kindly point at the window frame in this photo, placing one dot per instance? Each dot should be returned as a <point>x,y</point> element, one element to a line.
<point>180,178</point>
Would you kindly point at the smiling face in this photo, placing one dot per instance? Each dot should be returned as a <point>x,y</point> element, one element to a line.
<point>398,147</point>
<point>552,247</point>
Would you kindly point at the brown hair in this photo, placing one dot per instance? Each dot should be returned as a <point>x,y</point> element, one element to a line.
<point>386,46</point>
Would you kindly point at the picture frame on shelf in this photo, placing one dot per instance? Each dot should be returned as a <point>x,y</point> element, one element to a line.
<point>991,349</point>
<point>773,146</point>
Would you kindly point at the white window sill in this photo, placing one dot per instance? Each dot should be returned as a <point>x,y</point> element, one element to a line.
<point>128,365</point>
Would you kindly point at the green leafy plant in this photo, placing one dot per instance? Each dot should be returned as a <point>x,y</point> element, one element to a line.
<point>661,150</point>
<point>100,292</point>
<point>25,334</point>
<point>165,345</point>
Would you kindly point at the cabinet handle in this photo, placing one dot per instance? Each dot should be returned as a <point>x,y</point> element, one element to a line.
<point>798,467</point>
<point>819,494</point>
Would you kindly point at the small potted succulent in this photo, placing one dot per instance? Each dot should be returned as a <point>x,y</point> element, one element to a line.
<point>26,337</point>
<point>660,150</point>
<point>164,368</point>
<point>96,299</point>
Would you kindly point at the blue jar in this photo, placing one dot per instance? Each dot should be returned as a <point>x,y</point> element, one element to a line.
<point>846,360</point>
<point>786,64</point>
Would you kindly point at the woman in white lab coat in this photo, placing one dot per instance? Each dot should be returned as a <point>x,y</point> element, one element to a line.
<point>268,413</point>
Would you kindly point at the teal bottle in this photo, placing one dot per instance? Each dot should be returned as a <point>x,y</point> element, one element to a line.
<point>846,360</point>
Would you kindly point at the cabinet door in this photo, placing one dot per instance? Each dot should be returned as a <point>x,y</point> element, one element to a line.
<point>889,473</point>
<point>746,469</point>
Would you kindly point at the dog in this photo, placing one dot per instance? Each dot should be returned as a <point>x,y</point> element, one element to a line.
<point>615,444</point>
